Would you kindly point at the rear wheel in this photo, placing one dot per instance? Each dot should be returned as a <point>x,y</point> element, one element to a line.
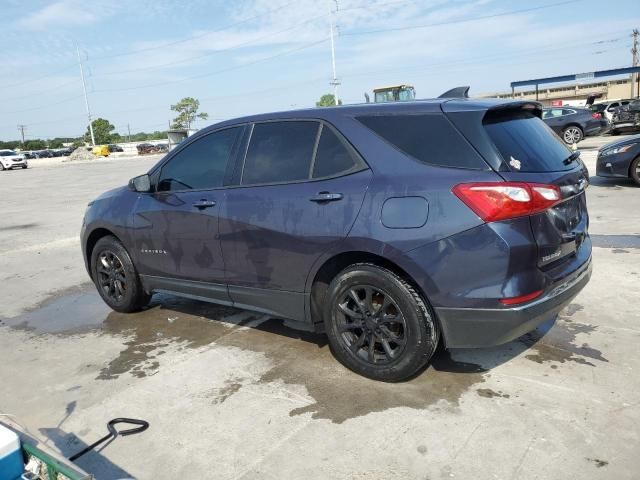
<point>378,325</point>
<point>1,167</point>
<point>634,170</point>
<point>115,276</point>
<point>572,134</point>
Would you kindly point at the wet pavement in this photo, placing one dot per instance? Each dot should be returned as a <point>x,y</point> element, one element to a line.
<point>233,394</point>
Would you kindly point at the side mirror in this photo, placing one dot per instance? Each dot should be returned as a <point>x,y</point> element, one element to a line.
<point>141,183</point>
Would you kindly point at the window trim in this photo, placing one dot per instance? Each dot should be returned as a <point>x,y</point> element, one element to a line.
<point>156,172</point>
<point>360,163</point>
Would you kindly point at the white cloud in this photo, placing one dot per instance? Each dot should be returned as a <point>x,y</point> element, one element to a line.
<point>61,13</point>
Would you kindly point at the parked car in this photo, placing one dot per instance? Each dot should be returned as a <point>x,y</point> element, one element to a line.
<point>573,124</point>
<point>43,154</point>
<point>115,148</point>
<point>10,160</point>
<point>607,109</point>
<point>28,155</point>
<point>147,148</point>
<point>626,118</point>
<point>392,227</point>
<point>620,159</point>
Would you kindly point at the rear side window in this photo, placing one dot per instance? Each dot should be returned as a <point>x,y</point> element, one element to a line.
<point>429,138</point>
<point>526,143</point>
<point>280,152</point>
<point>332,156</point>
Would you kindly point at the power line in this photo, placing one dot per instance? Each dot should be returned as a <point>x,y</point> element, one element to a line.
<point>462,20</point>
<point>215,52</point>
<point>195,37</point>
<point>210,74</point>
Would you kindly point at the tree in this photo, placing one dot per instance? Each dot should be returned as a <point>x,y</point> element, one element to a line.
<point>327,100</point>
<point>187,109</point>
<point>35,145</point>
<point>101,130</point>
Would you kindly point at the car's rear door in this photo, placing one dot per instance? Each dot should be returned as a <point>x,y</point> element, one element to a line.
<point>176,226</point>
<point>532,154</point>
<point>300,190</point>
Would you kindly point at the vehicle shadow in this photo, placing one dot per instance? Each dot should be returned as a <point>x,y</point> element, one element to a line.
<point>608,182</point>
<point>459,360</point>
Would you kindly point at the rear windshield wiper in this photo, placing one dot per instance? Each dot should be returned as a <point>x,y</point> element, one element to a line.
<point>574,156</point>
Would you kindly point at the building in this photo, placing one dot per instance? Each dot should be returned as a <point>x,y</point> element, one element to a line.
<point>573,94</point>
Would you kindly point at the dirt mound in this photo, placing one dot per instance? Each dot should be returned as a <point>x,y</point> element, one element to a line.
<point>80,154</point>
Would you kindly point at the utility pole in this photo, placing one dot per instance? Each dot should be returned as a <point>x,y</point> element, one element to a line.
<point>634,52</point>
<point>335,82</point>
<point>22,129</point>
<point>128,133</point>
<point>86,99</point>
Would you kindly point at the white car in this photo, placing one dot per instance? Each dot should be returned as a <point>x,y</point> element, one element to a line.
<point>10,159</point>
<point>607,109</point>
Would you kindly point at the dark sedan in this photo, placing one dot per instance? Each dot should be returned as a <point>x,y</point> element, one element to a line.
<point>573,124</point>
<point>620,159</point>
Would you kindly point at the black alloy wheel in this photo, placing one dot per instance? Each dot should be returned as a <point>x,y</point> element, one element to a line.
<point>372,326</point>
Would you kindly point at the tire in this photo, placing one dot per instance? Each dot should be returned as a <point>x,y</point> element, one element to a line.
<point>572,134</point>
<point>634,170</point>
<point>615,132</point>
<point>115,276</point>
<point>24,167</point>
<point>1,167</point>
<point>388,310</point>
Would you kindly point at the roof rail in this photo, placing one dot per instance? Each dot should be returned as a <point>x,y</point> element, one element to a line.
<point>457,92</point>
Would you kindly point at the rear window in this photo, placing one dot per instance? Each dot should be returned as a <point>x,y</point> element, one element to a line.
<point>429,138</point>
<point>526,143</point>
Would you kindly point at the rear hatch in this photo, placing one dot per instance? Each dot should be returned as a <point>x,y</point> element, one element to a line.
<point>532,153</point>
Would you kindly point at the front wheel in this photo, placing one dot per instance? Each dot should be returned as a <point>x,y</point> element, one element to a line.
<point>572,134</point>
<point>115,276</point>
<point>378,325</point>
<point>634,170</point>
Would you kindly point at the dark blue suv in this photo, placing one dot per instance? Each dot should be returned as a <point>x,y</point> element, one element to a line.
<point>391,227</point>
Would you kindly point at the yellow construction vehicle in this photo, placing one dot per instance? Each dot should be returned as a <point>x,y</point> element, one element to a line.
<point>393,93</point>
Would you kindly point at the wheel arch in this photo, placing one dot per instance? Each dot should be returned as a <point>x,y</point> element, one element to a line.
<point>92,240</point>
<point>338,262</point>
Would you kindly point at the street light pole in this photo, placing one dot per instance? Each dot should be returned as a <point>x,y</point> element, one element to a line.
<point>335,82</point>
<point>86,99</point>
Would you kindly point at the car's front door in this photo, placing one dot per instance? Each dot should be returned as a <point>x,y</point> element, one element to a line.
<point>300,191</point>
<point>176,226</point>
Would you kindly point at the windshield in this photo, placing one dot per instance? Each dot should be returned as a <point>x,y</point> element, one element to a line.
<point>7,153</point>
<point>526,143</point>
<point>407,94</point>
<point>384,96</point>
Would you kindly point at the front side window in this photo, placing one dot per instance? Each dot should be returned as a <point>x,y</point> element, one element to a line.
<point>201,165</point>
<point>332,156</point>
<point>280,152</point>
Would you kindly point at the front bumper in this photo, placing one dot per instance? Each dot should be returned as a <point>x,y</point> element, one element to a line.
<point>613,165</point>
<point>12,164</point>
<point>478,327</point>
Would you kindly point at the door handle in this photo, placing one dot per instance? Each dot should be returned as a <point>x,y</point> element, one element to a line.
<point>326,197</point>
<point>202,204</point>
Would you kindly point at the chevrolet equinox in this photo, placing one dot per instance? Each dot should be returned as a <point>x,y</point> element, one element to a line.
<point>391,227</point>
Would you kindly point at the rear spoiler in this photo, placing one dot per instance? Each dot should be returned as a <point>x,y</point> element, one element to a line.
<point>533,107</point>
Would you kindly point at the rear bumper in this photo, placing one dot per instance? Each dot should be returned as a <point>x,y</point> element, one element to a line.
<point>477,327</point>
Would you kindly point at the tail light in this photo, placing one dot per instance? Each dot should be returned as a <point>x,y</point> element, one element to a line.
<point>494,201</point>
<point>596,115</point>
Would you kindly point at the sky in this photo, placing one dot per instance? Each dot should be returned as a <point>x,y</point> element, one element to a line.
<point>249,56</point>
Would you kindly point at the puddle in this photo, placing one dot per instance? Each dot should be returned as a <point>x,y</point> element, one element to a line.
<point>560,343</point>
<point>66,312</point>
<point>488,393</point>
<point>303,358</point>
<point>616,241</point>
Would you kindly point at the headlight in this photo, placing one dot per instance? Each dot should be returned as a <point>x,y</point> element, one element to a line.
<point>617,150</point>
